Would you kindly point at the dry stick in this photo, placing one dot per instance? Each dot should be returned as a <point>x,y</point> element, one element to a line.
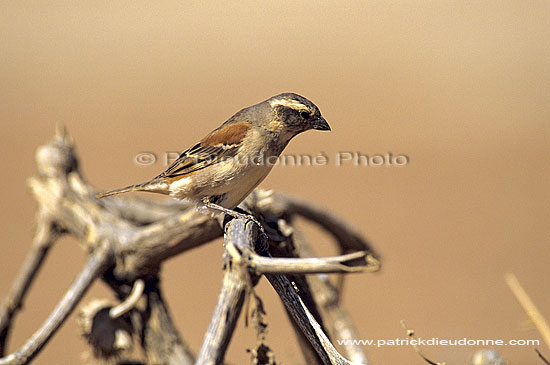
<point>346,236</point>
<point>130,302</point>
<point>304,266</point>
<point>158,241</point>
<point>410,333</point>
<point>529,307</point>
<point>99,261</point>
<point>43,239</point>
<point>63,195</point>
<point>339,324</point>
<point>235,285</point>
<point>333,264</point>
<point>144,211</point>
<point>309,326</point>
<point>239,235</point>
<point>542,357</point>
<point>276,210</point>
<point>337,320</point>
<point>224,319</point>
<point>162,343</point>
<point>283,247</point>
<point>300,284</point>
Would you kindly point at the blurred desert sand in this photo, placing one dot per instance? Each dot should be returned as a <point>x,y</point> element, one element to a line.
<point>461,88</point>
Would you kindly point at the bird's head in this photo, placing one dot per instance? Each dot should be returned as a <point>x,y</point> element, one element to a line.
<point>294,114</point>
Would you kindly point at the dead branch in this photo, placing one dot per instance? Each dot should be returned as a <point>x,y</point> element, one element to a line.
<point>529,307</point>
<point>236,283</point>
<point>417,349</point>
<point>339,323</point>
<point>98,262</point>
<point>161,341</point>
<point>127,241</point>
<point>305,320</point>
<point>43,239</point>
<point>541,356</point>
<point>314,265</point>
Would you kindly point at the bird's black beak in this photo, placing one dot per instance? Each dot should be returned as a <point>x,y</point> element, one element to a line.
<point>321,124</point>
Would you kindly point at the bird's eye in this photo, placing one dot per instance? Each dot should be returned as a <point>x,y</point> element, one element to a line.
<point>305,115</point>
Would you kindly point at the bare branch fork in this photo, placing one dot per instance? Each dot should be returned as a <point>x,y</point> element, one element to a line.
<point>127,241</point>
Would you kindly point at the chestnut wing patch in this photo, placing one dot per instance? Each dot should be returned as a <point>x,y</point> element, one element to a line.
<point>222,143</point>
<point>227,135</point>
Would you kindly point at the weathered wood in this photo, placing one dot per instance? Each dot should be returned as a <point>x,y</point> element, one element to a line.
<point>127,240</point>
<point>161,341</point>
<point>236,283</point>
<point>98,262</point>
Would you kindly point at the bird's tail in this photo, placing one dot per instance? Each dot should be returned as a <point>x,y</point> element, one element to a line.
<point>136,187</point>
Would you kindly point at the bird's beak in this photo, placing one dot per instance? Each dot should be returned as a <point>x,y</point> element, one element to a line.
<point>321,124</point>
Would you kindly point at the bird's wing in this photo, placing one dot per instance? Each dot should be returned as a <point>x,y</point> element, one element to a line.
<point>196,158</point>
<point>221,144</point>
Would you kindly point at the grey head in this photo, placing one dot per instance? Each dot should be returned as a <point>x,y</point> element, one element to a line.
<point>288,112</point>
<point>297,113</point>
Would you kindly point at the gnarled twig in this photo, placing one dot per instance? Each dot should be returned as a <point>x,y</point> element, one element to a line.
<point>236,283</point>
<point>99,261</point>
<point>338,322</point>
<point>131,238</point>
<point>44,237</point>
<point>336,264</point>
<point>529,307</point>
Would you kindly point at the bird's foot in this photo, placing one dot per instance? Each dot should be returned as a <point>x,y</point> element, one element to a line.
<point>234,214</point>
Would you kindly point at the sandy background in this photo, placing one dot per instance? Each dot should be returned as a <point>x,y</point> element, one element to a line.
<point>461,88</point>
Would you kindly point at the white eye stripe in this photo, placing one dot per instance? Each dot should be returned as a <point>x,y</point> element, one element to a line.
<point>289,104</point>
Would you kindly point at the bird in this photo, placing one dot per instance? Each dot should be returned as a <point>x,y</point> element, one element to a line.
<point>221,170</point>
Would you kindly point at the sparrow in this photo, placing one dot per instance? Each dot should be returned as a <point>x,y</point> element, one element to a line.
<point>225,166</point>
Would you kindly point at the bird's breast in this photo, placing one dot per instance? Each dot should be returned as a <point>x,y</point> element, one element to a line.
<point>233,178</point>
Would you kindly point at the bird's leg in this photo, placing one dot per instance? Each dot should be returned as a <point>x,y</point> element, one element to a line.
<point>249,217</point>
